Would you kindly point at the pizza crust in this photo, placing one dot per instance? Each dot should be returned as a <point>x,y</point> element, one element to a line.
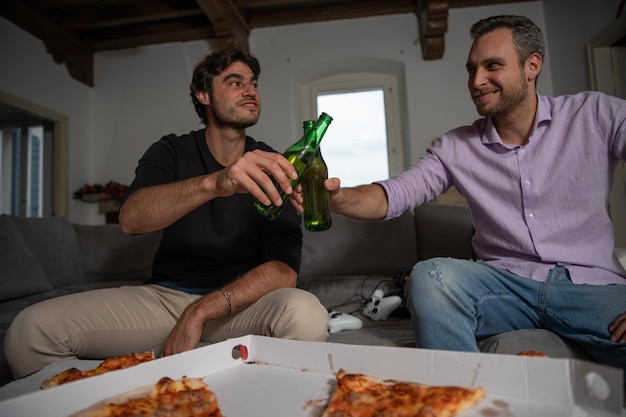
<point>532,353</point>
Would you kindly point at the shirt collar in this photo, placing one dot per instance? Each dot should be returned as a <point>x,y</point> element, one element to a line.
<point>489,134</point>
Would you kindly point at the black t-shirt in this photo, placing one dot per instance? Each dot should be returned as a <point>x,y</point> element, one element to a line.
<point>225,237</point>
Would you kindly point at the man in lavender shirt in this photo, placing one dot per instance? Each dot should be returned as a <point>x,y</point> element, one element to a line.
<point>536,172</point>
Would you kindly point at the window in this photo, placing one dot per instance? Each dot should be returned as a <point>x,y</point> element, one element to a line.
<point>364,142</point>
<point>33,159</point>
<point>22,156</point>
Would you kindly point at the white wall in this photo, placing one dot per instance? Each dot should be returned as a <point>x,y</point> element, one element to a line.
<point>572,23</point>
<point>142,94</point>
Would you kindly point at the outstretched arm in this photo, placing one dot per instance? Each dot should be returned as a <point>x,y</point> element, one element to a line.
<point>156,207</point>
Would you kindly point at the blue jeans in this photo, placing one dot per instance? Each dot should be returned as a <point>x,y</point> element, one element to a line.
<point>453,302</point>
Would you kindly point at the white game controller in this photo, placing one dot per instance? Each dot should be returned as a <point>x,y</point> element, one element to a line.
<point>338,321</point>
<point>379,307</point>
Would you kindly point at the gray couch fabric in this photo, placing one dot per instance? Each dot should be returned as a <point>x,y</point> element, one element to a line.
<point>45,258</point>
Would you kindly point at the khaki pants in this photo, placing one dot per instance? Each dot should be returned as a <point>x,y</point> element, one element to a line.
<point>108,322</point>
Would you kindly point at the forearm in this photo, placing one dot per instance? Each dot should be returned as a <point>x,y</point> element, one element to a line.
<point>244,291</point>
<point>364,202</point>
<point>235,297</point>
<point>156,207</point>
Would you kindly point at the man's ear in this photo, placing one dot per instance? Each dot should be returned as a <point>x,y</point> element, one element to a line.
<point>533,66</point>
<point>203,97</point>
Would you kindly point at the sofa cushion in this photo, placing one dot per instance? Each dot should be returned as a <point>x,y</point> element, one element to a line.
<point>54,244</point>
<point>21,273</point>
<point>352,247</point>
<point>108,253</point>
<point>444,230</point>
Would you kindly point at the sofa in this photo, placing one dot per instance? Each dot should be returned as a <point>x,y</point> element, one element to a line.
<point>41,258</point>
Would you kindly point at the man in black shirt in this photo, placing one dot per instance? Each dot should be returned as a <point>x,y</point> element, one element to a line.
<point>221,270</point>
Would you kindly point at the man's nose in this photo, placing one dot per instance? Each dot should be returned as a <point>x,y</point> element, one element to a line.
<point>479,78</point>
<point>250,91</point>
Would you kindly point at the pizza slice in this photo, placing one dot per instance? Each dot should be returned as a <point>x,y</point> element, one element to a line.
<point>361,395</point>
<point>185,397</point>
<point>109,364</point>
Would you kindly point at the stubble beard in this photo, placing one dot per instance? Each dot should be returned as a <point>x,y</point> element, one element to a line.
<point>508,100</point>
<point>229,117</point>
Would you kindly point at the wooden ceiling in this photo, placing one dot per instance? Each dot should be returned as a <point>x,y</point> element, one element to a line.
<point>74,30</point>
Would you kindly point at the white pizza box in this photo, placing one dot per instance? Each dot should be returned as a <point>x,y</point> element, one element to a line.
<point>277,377</point>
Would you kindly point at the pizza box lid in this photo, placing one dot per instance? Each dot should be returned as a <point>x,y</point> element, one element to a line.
<point>256,375</point>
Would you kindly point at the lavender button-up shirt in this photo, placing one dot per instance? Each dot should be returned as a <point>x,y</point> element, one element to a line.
<point>538,205</point>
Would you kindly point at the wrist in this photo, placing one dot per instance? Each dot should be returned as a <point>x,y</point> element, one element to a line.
<point>226,295</point>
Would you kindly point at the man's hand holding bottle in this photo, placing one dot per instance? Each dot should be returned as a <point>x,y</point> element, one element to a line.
<point>333,185</point>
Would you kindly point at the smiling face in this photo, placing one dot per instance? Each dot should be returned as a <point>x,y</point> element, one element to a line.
<point>235,100</point>
<point>498,82</point>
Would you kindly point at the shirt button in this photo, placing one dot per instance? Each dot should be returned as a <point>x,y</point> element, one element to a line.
<point>531,216</point>
<point>527,182</point>
<point>522,151</point>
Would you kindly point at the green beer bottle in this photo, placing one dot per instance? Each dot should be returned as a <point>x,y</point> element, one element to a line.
<point>316,212</point>
<point>301,155</point>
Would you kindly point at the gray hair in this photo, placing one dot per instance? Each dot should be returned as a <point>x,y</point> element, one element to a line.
<point>526,35</point>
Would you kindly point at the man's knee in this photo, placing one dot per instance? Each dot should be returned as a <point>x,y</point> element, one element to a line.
<point>27,340</point>
<point>428,273</point>
<point>433,282</point>
<point>303,316</point>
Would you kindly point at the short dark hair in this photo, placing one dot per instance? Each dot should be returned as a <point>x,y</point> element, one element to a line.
<point>213,65</point>
<point>526,35</point>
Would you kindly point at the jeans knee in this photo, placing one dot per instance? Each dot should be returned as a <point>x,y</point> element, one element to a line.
<point>424,274</point>
<point>433,281</point>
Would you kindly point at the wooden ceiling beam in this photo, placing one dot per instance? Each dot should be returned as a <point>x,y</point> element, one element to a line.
<point>230,28</point>
<point>475,3</point>
<point>152,35</point>
<point>64,48</point>
<point>95,19</point>
<point>249,4</point>
<point>323,13</point>
<point>432,17</point>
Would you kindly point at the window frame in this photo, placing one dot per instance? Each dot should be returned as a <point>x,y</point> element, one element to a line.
<point>363,81</point>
